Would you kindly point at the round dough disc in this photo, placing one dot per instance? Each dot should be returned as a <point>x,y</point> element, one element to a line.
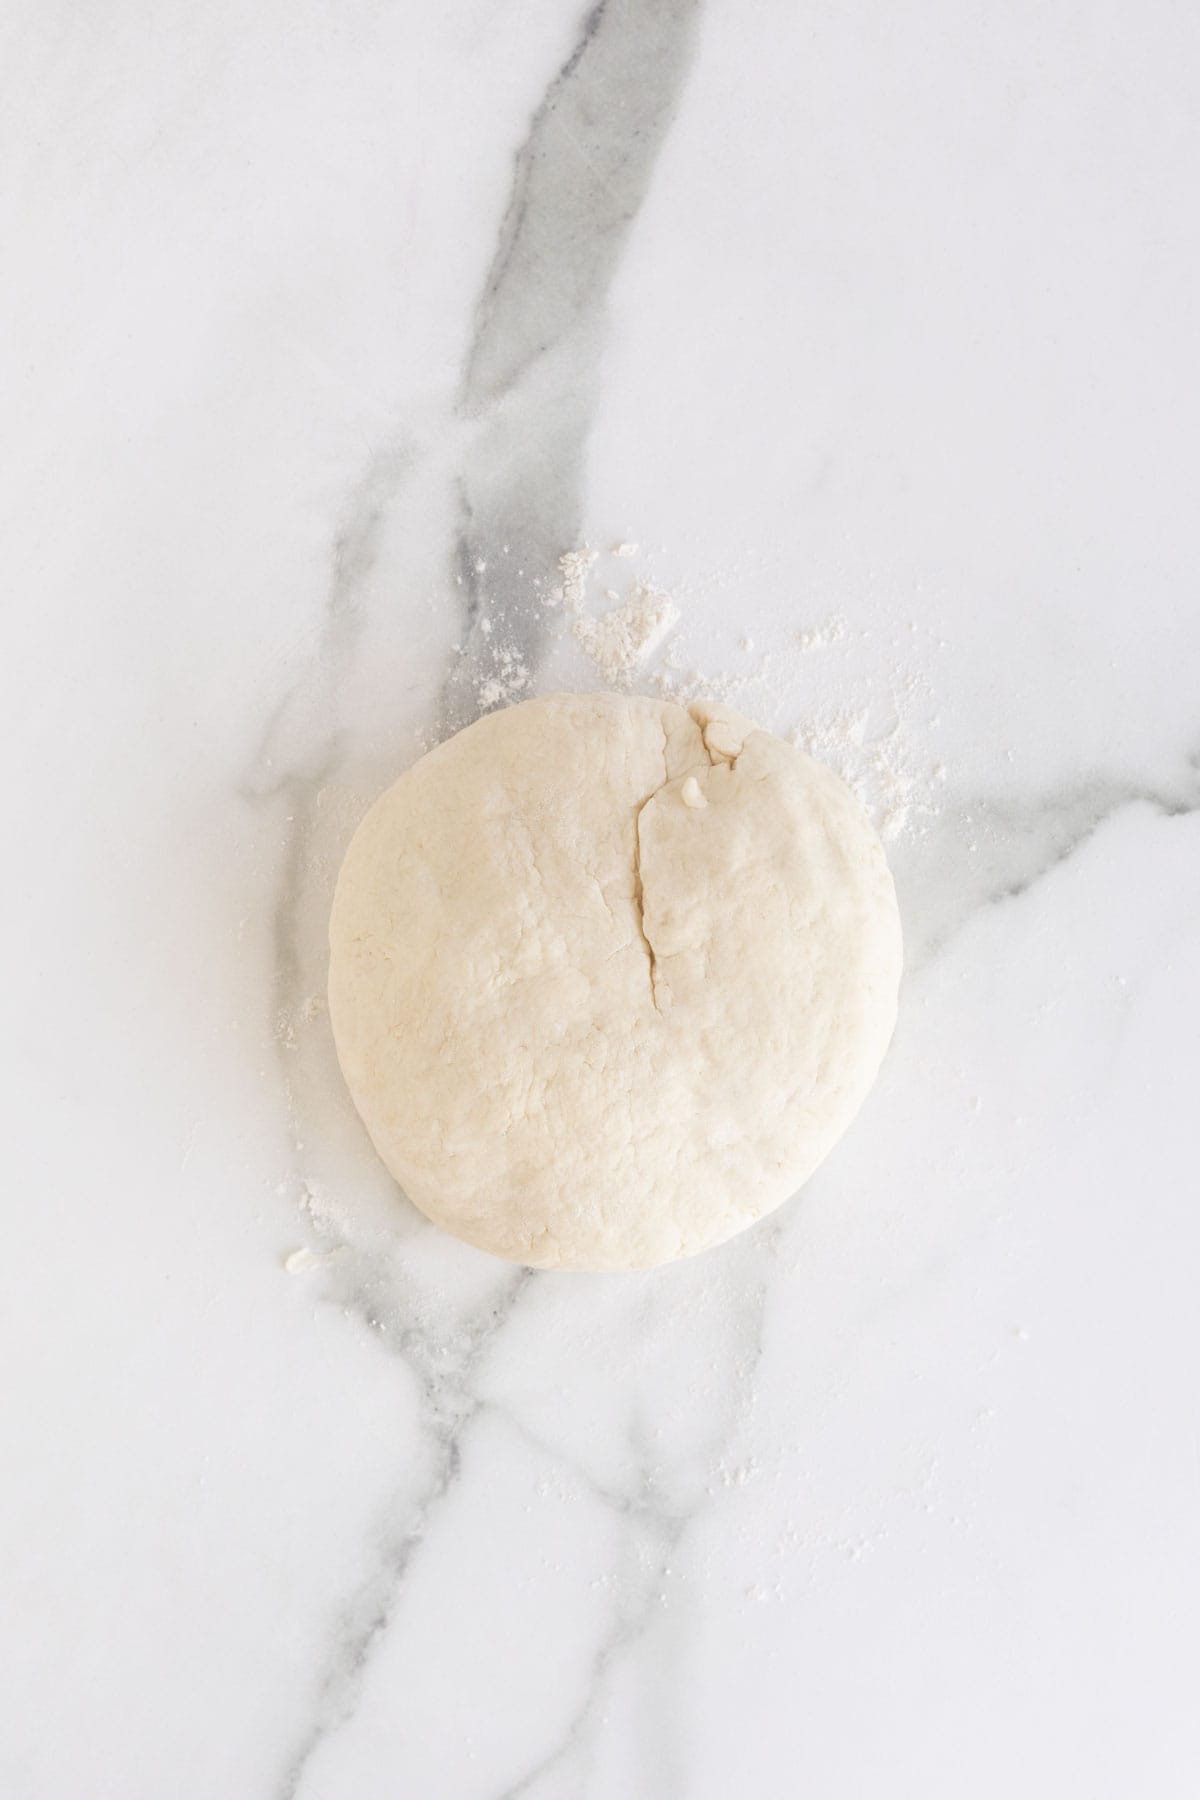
<point>609,977</point>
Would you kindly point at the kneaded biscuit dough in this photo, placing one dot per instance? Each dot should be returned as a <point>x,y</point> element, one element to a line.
<point>609,977</point>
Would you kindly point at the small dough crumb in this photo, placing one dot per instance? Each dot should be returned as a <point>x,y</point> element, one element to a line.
<point>723,739</point>
<point>691,793</point>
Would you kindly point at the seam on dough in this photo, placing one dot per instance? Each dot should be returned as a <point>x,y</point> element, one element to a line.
<point>639,901</point>
<point>639,892</point>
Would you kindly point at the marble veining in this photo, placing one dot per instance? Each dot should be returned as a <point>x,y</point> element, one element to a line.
<point>326,333</point>
<point>444,1375</point>
<point>526,396</point>
<point>529,379</point>
<point>1022,842</point>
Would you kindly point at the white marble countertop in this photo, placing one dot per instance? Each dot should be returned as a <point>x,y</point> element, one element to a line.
<point>869,325</point>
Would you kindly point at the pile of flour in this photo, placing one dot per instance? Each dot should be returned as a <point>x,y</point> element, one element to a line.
<point>624,637</point>
<point>864,724</point>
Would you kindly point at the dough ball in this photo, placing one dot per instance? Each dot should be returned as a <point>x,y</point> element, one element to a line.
<point>609,977</point>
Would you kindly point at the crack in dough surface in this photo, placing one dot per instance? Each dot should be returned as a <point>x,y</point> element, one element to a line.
<point>609,977</point>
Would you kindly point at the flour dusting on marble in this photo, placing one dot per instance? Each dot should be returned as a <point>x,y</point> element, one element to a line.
<point>625,636</point>
<point>871,724</point>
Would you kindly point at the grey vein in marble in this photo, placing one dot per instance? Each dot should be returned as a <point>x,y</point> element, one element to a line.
<point>1014,845</point>
<point>654,1532</point>
<point>300,741</point>
<point>444,1370</point>
<point>531,374</point>
<point>528,393</point>
<point>655,1529</point>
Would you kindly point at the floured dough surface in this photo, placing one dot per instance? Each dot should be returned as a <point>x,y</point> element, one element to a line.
<point>609,977</point>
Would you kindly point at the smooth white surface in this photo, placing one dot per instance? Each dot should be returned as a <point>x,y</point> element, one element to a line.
<point>860,312</point>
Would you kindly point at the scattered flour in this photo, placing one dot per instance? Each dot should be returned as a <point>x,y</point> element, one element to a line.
<point>859,719</point>
<point>820,637</point>
<point>508,678</point>
<point>620,641</point>
<point>574,567</point>
<point>875,764</point>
